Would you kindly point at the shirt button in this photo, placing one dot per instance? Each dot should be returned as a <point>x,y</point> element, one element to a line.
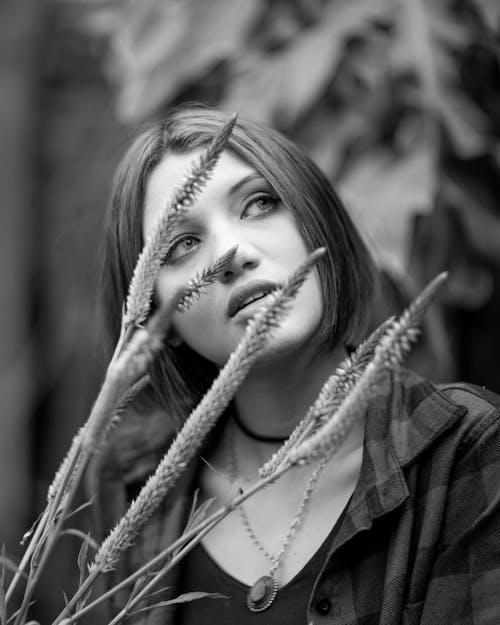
<point>323,606</point>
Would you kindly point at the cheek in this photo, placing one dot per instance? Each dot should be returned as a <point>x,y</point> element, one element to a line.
<point>313,299</point>
<point>190,323</point>
<point>199,329</point>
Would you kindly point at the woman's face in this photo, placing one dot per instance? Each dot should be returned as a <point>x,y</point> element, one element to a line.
<point>236,207</point>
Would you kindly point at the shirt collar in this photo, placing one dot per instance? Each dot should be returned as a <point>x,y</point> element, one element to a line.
<point>403,420</point>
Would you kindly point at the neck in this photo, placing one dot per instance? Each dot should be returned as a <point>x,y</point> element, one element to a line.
<point>274,398</point>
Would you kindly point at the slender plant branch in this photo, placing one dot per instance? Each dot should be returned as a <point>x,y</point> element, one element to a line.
<point>37,567</point>
<point>396,338</point>
<point>400,333</point>
<point>204,416</point>
<point>153,254</point>
<point>201,420</point>
<point>123,372</point>
<point>55,494</point>
<point>196,287</point>
<point>141,345</point>
<point>190,536</point>
<point>393,347</point>
<point>134,344</point>
<point>39,530</point>
<point>331,395</point>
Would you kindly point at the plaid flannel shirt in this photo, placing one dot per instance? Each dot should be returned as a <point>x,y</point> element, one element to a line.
<point>420,540</point>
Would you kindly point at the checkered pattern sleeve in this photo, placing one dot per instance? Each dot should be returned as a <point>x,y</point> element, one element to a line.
<point>464,586</point>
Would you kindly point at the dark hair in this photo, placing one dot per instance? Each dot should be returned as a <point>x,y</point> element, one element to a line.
<point>346,272</point>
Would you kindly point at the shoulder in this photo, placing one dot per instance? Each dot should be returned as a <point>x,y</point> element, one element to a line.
<point>423,414</point>
<point>483,408</point>
<point>476,403</point>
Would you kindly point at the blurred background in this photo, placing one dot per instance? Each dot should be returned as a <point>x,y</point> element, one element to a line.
<point>398,101</point>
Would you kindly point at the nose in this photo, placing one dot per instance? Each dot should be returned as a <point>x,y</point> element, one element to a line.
<point>246,258</point>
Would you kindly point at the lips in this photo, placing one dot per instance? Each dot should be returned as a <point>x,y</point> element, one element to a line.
<point>249,293</point>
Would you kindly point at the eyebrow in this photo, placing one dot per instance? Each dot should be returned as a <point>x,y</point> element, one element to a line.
<point>232,190</point>
<point>243,181</point>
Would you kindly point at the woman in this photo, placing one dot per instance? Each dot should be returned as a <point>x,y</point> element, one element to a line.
<point>400,525</point>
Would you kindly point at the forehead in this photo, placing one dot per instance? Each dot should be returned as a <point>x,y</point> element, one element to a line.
<point>170,173</point>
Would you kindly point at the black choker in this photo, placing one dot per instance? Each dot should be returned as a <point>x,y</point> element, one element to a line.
<point>258,437</point>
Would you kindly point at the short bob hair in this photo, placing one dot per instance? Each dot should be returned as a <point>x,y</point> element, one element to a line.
<point>179,376</point>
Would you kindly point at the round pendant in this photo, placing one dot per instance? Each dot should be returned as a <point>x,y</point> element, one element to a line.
<point>262,593</point>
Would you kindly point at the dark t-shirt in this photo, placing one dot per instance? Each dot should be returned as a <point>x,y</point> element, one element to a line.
<point>201,573</point>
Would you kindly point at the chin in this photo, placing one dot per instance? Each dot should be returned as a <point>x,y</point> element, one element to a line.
<point>294,337</point>
<point>289,343</point>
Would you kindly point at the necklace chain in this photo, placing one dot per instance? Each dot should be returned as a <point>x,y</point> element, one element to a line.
<point>296,521</point>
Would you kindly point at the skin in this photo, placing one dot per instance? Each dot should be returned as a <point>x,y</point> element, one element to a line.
<point>238,207</point>
<point>269,247</point>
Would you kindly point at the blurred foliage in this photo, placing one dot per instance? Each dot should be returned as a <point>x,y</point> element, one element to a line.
<point>397,100</point>
<point>377,90</point>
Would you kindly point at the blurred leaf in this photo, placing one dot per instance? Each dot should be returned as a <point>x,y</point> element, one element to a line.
<point>467,125</point>
<point>161,46</point>
<point>9,564</point>
<point>481,226</point>
<point>161,590</point>
<point>139,584</point>
<point>490,10</point>
<point>100,19</point>
<point>432,32</point>
<point>86,538</point>
<point>185,598</point>
<point>334,136</point>
<point>470,285</point>
<point>384,191</point>
<point>280,87</point>
<point>83,506</point>
<point>83,557</point>
<point>198,513</point>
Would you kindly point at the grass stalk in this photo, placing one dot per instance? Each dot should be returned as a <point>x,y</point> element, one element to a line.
<point>153,254</point>
<point>203,417</point>
<point>192,536</point>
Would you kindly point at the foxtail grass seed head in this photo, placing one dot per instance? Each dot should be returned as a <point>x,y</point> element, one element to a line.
<point>405,330</point>
<point>196,287</point>
<point>389,353</point>
<point>127,370</point>
<point>153,254</point>
<point>257,335</point>
<point>65,466</point>
<point>330,397</point>
<point>347,374</point>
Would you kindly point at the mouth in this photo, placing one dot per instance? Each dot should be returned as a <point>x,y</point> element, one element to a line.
<point>248,294</point>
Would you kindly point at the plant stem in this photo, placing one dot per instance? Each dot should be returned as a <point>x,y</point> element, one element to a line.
<point>40,528</point>
<point>47,517</point>
<point>88,582</point>
<point>154,580</point>
<point>194,535</point>
<point>52,539</point>
<point>126,332</point>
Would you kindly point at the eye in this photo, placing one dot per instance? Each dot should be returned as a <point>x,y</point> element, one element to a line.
<point>260,205</point>
<point>181,247</point>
